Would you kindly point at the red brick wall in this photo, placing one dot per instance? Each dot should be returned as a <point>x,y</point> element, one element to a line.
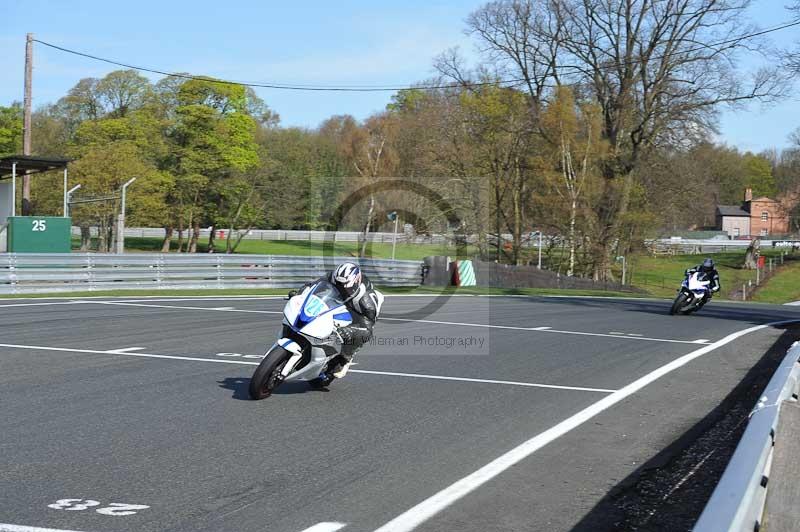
<point>777,221</point>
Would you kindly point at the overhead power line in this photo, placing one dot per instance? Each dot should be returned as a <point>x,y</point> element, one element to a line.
<point>357,88</point>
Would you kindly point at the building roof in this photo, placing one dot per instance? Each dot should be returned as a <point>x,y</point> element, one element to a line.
<point>30,164</point>
<point>732,210</point>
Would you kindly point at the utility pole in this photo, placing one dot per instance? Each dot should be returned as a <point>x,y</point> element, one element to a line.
<point>26,117</point>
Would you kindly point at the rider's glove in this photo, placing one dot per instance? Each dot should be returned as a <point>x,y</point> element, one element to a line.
<point>346,335</point>
<point>291,294</point>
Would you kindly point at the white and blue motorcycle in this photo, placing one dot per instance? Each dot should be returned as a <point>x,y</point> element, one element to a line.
<point>310,342</point>
<point>692,294</point>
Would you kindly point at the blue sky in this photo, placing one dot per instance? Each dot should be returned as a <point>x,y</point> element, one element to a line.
<point>312,42</point>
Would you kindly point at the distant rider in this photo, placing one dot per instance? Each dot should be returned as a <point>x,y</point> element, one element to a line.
<point>362,302</point>
<point>707,272</point>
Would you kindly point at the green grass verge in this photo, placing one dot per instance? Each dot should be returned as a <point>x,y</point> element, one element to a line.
<point>783,287</point>
<point>661,276</point>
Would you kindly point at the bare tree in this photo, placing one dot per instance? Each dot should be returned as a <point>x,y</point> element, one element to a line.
<point>658,69</point>
<point>791,57</point>
<point>368,148</point>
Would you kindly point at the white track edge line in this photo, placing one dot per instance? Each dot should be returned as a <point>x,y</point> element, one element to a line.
<point>331,526</point>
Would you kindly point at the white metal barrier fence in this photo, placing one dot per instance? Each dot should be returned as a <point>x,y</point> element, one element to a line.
<point>737,503</point>
<point>40,272</point>
<point>292,235</point>
<point>528,239</point>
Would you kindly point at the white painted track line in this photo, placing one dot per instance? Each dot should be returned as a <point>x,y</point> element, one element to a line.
<point>326,527</point>
<point>619,336</point>
<point>436,322</point>
<point>488,381</point>
<point>127,353</point>
<point>211,309</point>
<point>45,304</point>
<point>19,528</point>
<point>431,506</point>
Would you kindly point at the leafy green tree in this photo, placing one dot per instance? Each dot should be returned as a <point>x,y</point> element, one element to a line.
<point>101,171</point>
<point>11,129</point>
<point>213,138</point>
<point>51,134</point>
<point>122,91</point>
<point>758,175</point>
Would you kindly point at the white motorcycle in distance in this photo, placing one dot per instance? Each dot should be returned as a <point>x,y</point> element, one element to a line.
<point>691,294</point>
<point>310,342</point>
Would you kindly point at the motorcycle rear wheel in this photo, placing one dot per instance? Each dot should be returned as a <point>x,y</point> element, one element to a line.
<point>267,375</point>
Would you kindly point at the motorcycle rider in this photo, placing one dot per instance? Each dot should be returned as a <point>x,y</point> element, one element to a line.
<point>362,302</point>
<point>707,271</point>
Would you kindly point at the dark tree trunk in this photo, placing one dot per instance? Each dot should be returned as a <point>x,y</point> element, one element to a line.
<point>86,237</point>
<point>211,237</point>
<point>180,236</point>
<point>195,236</point>
<point>167,239</point>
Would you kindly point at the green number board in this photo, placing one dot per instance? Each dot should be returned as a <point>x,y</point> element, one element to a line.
<point>39,234</point>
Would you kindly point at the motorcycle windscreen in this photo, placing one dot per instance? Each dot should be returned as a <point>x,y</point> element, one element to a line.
<point>321,300</point>
<point>696,283</point>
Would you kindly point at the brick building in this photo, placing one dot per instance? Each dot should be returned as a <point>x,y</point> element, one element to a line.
<point>761,217</point>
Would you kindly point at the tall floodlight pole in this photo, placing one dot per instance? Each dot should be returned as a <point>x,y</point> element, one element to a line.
<point>68,197</point>
<point>26,118</point>
<point>121,220</point>
<point>14,188</point>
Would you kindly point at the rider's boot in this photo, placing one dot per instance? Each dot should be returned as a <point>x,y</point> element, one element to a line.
<point>343,362</point>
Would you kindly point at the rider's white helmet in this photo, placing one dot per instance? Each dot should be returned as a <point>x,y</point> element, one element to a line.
<point>347,277</point>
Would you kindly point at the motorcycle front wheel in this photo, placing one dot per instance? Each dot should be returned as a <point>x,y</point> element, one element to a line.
<point>678,304</point>
<point>267,375</point>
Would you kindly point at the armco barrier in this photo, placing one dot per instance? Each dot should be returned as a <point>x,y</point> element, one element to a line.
<point>737,503</point>
<point>22,273</point>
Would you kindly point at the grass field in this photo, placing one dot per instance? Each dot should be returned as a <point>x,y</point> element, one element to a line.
<point>661,276</point>
<point>783,287</point>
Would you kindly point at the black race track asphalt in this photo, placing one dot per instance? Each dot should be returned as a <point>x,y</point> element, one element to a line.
<point>97,435</point>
